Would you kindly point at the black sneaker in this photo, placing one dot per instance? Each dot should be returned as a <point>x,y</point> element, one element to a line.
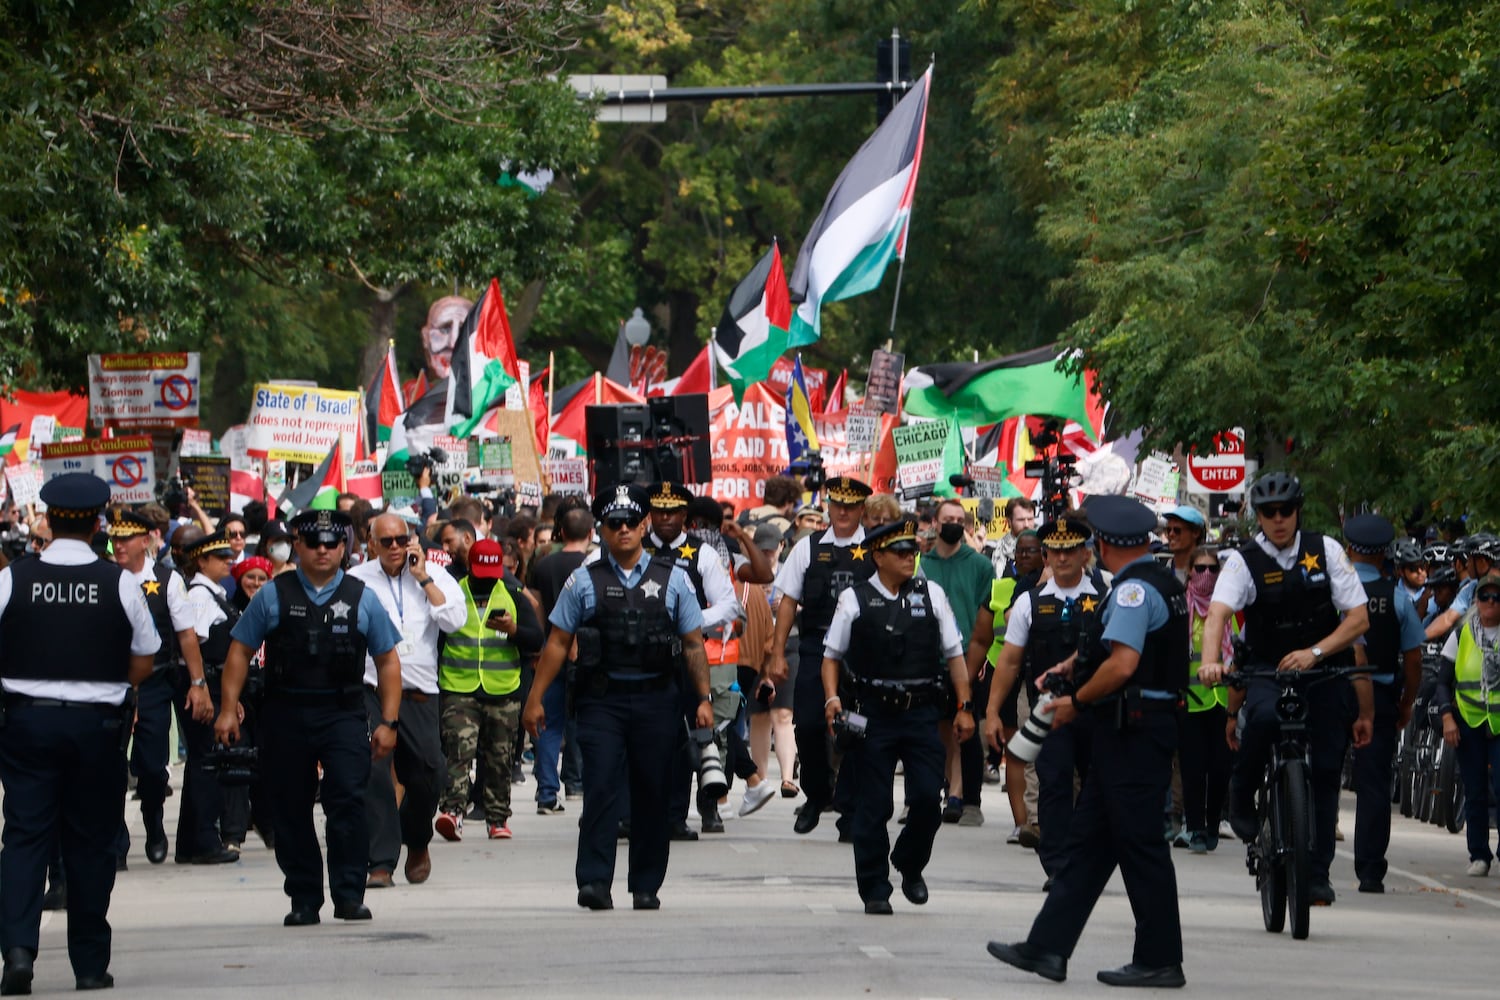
<point>554,806</point>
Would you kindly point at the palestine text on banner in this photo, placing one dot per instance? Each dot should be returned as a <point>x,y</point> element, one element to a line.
<point>300,424</point>
<point>127,464</point>
<point>919,454</point>
<point>989,481</point>
<point>144,390</point>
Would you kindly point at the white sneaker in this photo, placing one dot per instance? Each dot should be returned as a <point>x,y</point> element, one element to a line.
<point>756,797</point>
<point>1015,836</point>
<point>1479,869</point>
<point>1226,832</point>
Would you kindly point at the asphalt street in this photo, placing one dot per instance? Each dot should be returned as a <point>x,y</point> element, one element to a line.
<point>761,912</point>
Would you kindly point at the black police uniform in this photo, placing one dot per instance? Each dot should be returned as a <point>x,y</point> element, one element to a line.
<point>896,676</point>
<point>1117,822</point>
<point>1294,610</point>
<point>67,621</point>
<point>1058,625</point>
<point>150,747</point>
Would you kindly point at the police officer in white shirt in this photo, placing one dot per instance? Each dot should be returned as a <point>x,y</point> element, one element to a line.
<point>424,601</point>
<point>75,635</point>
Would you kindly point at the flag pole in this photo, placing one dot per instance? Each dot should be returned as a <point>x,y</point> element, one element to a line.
<point>551,382</point>
<point>896,301</point>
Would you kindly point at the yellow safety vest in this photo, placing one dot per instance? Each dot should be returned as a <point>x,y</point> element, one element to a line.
<point>476,656</point>
<point>1478,706</point>
<point>1002,595</point>
<point>1200,698</point>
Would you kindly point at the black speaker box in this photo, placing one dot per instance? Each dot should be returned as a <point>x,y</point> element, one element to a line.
<point>664,438</point>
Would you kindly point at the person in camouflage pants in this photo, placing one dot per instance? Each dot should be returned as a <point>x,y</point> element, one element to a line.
<point>476,725</point>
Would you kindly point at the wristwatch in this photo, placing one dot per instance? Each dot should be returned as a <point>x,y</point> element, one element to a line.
<point>1317,652</point>
<point>966,706</point>
<point>198,682</point>
<point>705,697</point>
<point>394,725</point>
<point>422,581</point>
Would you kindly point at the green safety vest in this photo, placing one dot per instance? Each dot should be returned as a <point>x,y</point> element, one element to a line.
<point>1478,706</point>
<point>476,656</point>
<point>1002,594</point>
<point>1200,698</point>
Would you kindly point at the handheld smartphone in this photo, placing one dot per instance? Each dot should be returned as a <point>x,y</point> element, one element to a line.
<point>765,692</point>
<point>411,561</point>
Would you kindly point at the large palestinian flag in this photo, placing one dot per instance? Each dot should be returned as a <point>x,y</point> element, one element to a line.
<point>484,363</point>
<point>320,490</point>
<point>991,391</point>
<point>752,333</point>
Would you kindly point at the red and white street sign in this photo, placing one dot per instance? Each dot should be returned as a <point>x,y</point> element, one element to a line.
<point>1223,471</point>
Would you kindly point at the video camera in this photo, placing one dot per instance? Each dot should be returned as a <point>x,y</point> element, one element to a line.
<point>425,461</point>
<point>1055,468</point>
<point>174,497</point>
<point>502,498</point>
<point>235,765</point>
<point>849,730</point>
<point>814,476</point>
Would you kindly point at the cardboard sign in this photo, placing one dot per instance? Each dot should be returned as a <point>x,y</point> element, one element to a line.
<point>919,454</point>
<point>300,423</point>
<point>209,478</point>
<point>144,390</point>
<point>883,389</point>
<point>1151,481</point>
<point>128,465</point>
<point>25,483</point>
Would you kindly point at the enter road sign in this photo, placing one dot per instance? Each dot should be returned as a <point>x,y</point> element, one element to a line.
<point>1223,471</point>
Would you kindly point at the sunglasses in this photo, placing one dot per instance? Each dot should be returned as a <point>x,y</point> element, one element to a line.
<point>902,549</point>
<point>1206,568</point>
<point>388,541</point>
<point>322,541</point>
<point>1177,529</point>
<point>621,523</point>
<point>1277,510</point>
<point>1488,597</point>
<point>234,534</point>
<point>1028,552</point>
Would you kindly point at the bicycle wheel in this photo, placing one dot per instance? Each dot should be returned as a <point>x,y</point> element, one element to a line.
<point>1407,778</point>
<point>1270,871</point>
<point>1295,792</point>
<point>1450,790</point>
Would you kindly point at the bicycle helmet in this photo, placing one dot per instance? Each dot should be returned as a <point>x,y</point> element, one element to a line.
<point>1443,576</point>
<point>1485,544</point>
<point>1436,553</point>
<point>1405,552</point>
<point>1276,487</point>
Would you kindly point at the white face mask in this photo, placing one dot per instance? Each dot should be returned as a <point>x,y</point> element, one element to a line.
<point>280,551</point>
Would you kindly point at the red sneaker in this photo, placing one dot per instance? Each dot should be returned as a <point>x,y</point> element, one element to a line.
<point>501,832</point>
<point>450,826</point>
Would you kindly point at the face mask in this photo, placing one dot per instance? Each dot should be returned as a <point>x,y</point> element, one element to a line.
<point>1202,584</point>
<point>280,551</point>
<point>951,533</point>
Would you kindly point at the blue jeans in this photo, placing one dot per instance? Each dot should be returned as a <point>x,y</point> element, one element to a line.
<point>1478,752</point>
<point>548,743</point>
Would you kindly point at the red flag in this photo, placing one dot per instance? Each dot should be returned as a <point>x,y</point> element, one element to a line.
<point>569,421</point>
<point>383,401</point>
<point>699,375</point>
<point>539,415</point>
<point>22,407</point>
<point>834,402</point>
<point>415,389</point>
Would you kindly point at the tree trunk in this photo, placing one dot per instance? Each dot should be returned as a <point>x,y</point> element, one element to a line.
<point>382,330</point>
<point>683,342</point>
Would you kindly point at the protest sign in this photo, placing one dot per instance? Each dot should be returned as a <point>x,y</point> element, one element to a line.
<point>196,441</point>
<point>861,429</point>
<point>43,430</point>
<point>919,455</point>
<point>25,483</point>
<point>883,389</point>
<point>300,423</point>
<point>989,481</point>
<point>208,475</point>
<point>126,464</point>
<point>568,475</point>
<point>144,390</point>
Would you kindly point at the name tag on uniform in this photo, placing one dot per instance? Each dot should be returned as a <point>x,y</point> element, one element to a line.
<point>340,629</point>
<point>1273,577</point>
<point>613,592</point>
<point>408,644</point>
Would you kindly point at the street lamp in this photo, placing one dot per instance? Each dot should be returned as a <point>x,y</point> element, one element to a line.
<point>637,329</point>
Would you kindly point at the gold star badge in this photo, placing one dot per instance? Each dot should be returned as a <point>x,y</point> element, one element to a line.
<point>1088,604</point>
<point>151,587</point>
<point>687,551</point>
<point>1309,562</point>
<point>857,553</point>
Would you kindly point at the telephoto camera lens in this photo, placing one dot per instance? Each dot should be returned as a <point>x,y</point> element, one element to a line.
<point>711,779</point>
<point>1028,742</point>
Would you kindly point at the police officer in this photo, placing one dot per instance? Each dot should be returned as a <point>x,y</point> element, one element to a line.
<point>75,634</point>
<point>1293,586</point>
<point>897,640</point>
<point>1133,696</point>
<point>818,569</point>
<point>317,625</point>
<point>1047,627</point>
<point>668,540</point>
<point>633,616</point>
<point>1393,648</point>
<point>166,596</point>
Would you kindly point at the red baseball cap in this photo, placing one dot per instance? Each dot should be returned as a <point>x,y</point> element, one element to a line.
<point>487,559</point>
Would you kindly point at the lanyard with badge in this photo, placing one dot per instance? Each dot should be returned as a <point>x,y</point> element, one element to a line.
<point>408,644</point>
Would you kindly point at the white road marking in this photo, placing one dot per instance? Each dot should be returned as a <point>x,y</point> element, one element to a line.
<point>1433,883</point>
<point>778,880</point>
<point>874,951</point>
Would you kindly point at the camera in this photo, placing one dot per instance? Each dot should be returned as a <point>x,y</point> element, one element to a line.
<point>425,460</point>
<point>174,497</point>
<point>849,730</point>
<point>1027,743</point>
<point>234,765</point>
<point>815,475</point>
<point>711,780</point>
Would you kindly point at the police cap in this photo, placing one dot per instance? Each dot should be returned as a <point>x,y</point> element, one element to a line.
<point>1121,521</point>
<point>622,498</point>
<point>897,536</point>
<point>320,525</point>
<point>208,545</point>
<point>847,490</point>
<point>127,523</point>
<point>1067,532</point>
<point>1368,534</point>
<point>668,495</point>
<point>75,496</point>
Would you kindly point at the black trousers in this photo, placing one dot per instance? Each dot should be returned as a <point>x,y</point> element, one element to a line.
<point>149,748</point>
<point>1065,752</point>
<point>1372,788</point>
<point>911,737</point>
<point>810,726</point>
<point>64,775</point>
<point>627,742</point>
<point>1118,824</point>
<point>242,806</point>
<point>680,782</point>
<point>1330,711</point>
<point>296,737</point>
<point>202,800</point>
<point>971,752</point>
<point>1205,761</point>
<point>420,767</point>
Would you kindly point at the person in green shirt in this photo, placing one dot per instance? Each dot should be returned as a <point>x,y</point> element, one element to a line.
<point>965,576</point>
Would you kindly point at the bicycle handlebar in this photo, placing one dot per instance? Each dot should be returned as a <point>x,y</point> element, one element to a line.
<point>1313,675</point>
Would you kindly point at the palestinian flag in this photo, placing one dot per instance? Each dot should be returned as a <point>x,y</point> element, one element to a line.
<point>484,363</point>
<point>320,490</point>
<point>752,333</point>
<point>992,391</point>
<point>8,439</point>
<point>383,402</point>
<point>864,220</point>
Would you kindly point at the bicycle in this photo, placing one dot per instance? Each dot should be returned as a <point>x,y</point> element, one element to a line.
<point>1280,857</point>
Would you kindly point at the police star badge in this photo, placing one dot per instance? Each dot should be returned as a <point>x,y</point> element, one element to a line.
<point>339,609</point>
<point>651,589</point>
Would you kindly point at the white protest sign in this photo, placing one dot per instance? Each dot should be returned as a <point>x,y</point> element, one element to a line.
<point>195,442</point>
<point>144,390</point>
<point>43,431</point>
<point>568,475</point>
<point>1151,481</point>
<point>25,483</point>
<point>919,453</point>
<point>128,465</point>
<point>299,423</point>
<point>861,429</point>
<point>989,481</point>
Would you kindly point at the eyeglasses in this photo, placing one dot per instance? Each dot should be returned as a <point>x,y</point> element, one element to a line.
<point>902,549</point>
<point>1488,597</point>
<point>1175,529</point>
<point>1278,510</point>
<point>1206,568</point>
<point>388,541</point>
<point>322,542</point>
<point>234,534</point>
<point>1028,552</point>
<point>620,523</point>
